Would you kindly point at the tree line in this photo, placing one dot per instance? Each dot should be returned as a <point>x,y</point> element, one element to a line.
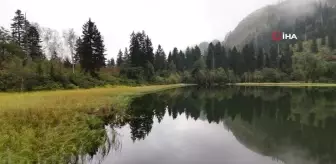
<point>32,58</point>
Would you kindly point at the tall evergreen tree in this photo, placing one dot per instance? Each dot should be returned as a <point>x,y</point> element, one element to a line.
<point>267,61</point>
<point>18,27</point>
<point>111,62</point>
<point>236,61</point>
<point>149,54</point>
<point>210,57</point>
<point>331,41</point>
<point>323,41</point>
<point>33,44</point>
<point>141,37</point>
<point>174,57</point>
<point>299,46</point>
<point>314,48</point>
<point>286,59</point>
<point>224,58</point>
<point>170,58</point>
<point>92,49</point>
<point>273,57</point>
<point>196,53</point>
<point>141,50</point>
<point>120,58</point>
<point>135,51</point>
<point>218,56</point>
<point>78,49</point>
<point>260,59</point>
<point>160,59</point>
<point>249,58</point>
<point>180,63</point>
<point>189,58</point>
<point>126,58</point>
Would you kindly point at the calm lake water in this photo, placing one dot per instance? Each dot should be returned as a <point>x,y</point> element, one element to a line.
<point>238,125</point>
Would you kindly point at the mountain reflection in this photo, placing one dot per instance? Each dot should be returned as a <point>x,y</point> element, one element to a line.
<point>285,123</point>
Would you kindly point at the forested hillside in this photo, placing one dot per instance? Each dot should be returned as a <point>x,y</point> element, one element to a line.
<point>32,58</point>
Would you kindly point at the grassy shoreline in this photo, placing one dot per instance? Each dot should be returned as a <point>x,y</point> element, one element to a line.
<point>290,84</point>
<point>41,127</point>
<point>75,99</point>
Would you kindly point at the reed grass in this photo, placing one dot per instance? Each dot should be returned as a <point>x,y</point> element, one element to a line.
<point>52,126</point>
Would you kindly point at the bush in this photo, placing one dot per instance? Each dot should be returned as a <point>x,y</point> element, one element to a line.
<point>158,80</point>
<point>257,76</point>
<point>83,81</point>
<point>297,76</point>
<point>48,86</point>
<point>271,75</point>
<point>186,77</point>
<point>173,78</point>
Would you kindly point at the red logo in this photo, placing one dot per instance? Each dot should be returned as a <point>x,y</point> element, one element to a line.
<point>276,36</point>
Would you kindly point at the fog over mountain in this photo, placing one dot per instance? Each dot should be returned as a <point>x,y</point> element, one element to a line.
<point>265,18</point>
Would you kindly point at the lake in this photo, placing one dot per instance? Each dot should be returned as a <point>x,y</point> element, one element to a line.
<point>234,125</point>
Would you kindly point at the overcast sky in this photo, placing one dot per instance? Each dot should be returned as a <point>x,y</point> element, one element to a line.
<point>171,23</point>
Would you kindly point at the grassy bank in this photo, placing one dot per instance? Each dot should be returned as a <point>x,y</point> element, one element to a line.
<point>52,126</point>
<point>293,84</point>
<point>81,99</point>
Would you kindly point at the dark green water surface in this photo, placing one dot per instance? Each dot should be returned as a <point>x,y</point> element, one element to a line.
<point>237,125</point>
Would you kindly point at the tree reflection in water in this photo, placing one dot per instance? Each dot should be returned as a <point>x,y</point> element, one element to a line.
<point>283,123</point>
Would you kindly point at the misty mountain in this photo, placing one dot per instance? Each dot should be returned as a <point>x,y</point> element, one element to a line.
<point>269,18</point>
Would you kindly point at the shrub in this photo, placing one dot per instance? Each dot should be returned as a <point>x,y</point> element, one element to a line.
<point>270,75</point>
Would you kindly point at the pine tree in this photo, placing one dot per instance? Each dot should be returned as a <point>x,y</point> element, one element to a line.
<point>172,66</point>
<point>197,54</point>
<point>273,57</point>
<point>224,58</point>
<point>313,47</point>
<point>135,51</point>
<point>78,49</point>
<point>92,49</point>
<point>210,57</point>
<point>170,58</point>
<point>180,61</point>
<point>143,48</point>
<point>149,54</point>
<point>260,59</point>
<point>33,44</point>
<point>175,57</point>
<point>160,59</point>
<point>323,41</point>
<point>120,58</point>
<point>267,61</point>
<point>299,46</point>
<point>111,63</point>
<point>236,61</point>
<point>249,58</point>
<point>331,41</point>
<point>282,63</point>
<point>231,59</point>
<point>18,28</point>
<point>189,58</point>
<point>286,59</point>
<point>219,57</point>
<point>126,58</point>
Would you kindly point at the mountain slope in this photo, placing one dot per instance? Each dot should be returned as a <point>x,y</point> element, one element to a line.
<point>268,18</point>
